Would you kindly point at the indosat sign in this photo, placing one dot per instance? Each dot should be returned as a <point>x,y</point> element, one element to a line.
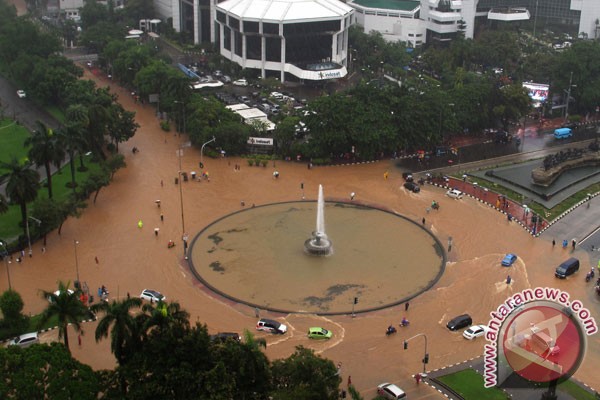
<point>539,334</point>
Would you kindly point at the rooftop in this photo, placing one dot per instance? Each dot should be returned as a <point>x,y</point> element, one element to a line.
<point>402,5</point>
<point>286,10</point>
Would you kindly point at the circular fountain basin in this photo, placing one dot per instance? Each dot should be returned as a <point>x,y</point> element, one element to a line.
<point>257,256</point>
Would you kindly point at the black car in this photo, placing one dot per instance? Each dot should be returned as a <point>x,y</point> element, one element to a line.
<point>462,321</point>
<point>413,187</point>
<point>408,177</point>
<point>224,336</point>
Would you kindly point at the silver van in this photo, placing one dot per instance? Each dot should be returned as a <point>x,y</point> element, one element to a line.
<point>25,340</point>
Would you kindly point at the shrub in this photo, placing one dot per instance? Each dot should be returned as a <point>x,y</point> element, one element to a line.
<point>250,162</point>
<point>264,163</point>
<point>165,125</point>
<point>257,161</point>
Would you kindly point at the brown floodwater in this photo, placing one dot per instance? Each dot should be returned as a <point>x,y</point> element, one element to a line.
<point>257,256</point>
<point>131,259</point>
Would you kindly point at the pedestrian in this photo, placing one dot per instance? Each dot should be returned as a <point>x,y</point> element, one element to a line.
<point>423,221</point>
<point>418,378</point>
<point>157,203</point>
<point>565,243</point>
<point>573,243</point>
<point>162,217</point>
<point>156,231</point>
<point>128,296</point>
<point>79,339</point>
<point>31,252</point>
<point>161,183</point>
<point>242,203</point>
<point>96,259</point>
<point>508,279</point>
<point>44,249</point>
<point>406,305</point>
<point>352,196</point>
<point>349,380</point>
<point>22,253</point>
<point>140,224</point>
<point>385,175</point>
<point>553,242</point>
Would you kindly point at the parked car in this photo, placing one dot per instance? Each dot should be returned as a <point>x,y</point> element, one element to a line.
<point>240,82</point>
<point>390,391</point>
<point>152,295</point>
<point>454,194</point>
<point>412,186</point>
<point>319,333</point>
<point>407,176</point>
<point>226,79</point>
<point>21,94</point>
<point>459,322</point>
<point>25,340</point>
<point>224,336</point>
<point>269,325</point>
<point>475,331</point>
<point>276,95</point>
<point>509,259</point>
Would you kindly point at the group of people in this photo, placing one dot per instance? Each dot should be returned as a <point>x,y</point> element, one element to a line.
<point>391,329</point>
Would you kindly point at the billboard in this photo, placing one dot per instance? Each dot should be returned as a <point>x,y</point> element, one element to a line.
<point>537,91</point>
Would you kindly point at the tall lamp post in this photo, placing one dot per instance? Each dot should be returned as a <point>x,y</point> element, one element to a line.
<point>425,356</point>
<point>569,97</point>
<point>6,262</point>
<point>202,151</point>
<point>75,243</point>
<point>183,104</point>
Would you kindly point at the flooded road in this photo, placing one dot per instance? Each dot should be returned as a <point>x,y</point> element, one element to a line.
<point>132,258</point>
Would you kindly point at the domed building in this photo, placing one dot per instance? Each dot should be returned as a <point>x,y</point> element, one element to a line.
<point>304,40</point>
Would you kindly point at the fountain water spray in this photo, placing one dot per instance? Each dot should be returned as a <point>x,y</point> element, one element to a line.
<point>319,244</point>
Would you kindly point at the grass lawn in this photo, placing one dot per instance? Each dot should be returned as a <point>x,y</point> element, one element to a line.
<point>576,391</point>
<point>548,214</point>
<point>56,113</point>
<point>10,227</point>
<point>469,384</point>
<point>12,138</point>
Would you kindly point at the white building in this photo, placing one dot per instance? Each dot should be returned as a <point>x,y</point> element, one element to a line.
<point>395,20</point>
<point>306,39</point>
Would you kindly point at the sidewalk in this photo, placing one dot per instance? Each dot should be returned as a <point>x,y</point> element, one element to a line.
<point>513,392</point>
<point>514,211</point>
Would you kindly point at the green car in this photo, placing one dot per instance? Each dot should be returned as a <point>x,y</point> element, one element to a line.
<point>319,333</point>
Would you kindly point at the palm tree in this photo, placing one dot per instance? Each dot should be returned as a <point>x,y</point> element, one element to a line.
<point>3,204</point>
<point>118,314</point>
<point>45,150</point>
<point>78,123</point>
<point>66,306</point>
<point>71,138</point>
<point>22,185</point>
<point>165,316</point>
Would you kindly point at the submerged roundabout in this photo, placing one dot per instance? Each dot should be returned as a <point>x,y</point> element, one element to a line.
<point>261,257</point>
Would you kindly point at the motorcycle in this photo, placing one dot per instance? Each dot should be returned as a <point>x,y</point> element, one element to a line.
<point>404,323</point>
<point>390,330</point>
<point>435,205</point>
<point>589,276</point>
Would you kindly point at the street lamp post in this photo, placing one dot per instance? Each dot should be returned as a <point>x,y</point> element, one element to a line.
<point>28,236</point>
<point>6,262</point>
<point>183,104</point>
<point>425,356</point>
<point>202,151</point>
<point>75,243</point>
<point>569,97</point>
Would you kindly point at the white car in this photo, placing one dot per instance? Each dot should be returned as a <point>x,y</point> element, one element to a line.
<point>390,391</point>
<point>454,193</point>
<point>152,295</point>
<point>475,331</point>
<point>21,94</point>
<point>240,82</point>
<point>58,292</point>
<point>276,95</point>
<point>25,340</point>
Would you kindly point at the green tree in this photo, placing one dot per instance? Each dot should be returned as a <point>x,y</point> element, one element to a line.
<point>45,151</point>
<point>22,184</point>
<point>11,305</point>
<point>121,125</point>
<point>45,371</point>
<point>118,315</point>
<point>67,307</point>
<point>304,375</point>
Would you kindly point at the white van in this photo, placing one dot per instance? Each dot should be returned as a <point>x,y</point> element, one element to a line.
<point>25,340</point>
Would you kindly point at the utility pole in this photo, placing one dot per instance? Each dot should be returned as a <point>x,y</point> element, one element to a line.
<point>568,97</point>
